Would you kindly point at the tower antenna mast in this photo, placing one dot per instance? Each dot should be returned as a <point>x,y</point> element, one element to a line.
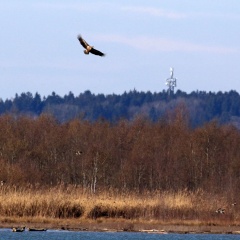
<point>171,82</point>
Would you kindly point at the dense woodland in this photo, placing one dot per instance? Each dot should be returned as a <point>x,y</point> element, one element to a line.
<point>202,107</point>
<point>135,155</point>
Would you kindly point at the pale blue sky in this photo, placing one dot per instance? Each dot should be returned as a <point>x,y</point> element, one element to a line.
<point>39,50</point>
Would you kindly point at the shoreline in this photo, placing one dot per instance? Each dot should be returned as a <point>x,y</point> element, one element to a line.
<point>125,226</point>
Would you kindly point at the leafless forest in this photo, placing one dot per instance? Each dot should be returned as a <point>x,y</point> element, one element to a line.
<point>136,156</point>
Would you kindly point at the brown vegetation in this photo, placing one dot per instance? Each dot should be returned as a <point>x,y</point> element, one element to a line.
<point>161,171</point>
<point>73,203</point>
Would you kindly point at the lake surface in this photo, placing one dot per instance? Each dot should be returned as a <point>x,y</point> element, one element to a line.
<point>6,234</point>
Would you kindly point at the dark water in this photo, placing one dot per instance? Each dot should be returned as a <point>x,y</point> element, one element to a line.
<point>6,234</point>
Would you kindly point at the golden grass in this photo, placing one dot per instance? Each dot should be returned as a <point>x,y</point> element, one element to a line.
<point>72,202</point>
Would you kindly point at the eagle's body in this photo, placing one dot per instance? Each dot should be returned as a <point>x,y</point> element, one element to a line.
<point>88,48</point>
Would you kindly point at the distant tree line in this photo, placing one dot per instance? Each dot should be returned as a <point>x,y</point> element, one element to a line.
<point>135,155</point>
<point>202,106</point>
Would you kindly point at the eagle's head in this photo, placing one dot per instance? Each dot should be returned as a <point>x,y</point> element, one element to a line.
<point>86,52</point>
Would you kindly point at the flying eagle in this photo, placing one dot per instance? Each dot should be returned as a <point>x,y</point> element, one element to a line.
<point>88,48</point>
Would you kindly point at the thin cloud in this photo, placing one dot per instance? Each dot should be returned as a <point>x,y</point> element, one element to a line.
<point>158,12</point>
<point>154,44</point>
<point>225,16</point>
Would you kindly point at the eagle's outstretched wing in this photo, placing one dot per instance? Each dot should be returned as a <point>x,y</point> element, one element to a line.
<point>96,52</point>
<point>82,41</point>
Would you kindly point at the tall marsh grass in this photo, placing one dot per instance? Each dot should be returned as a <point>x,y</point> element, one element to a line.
<point>72,202</point>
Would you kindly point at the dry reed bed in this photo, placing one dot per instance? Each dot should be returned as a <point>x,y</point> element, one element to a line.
<point>73,203</point>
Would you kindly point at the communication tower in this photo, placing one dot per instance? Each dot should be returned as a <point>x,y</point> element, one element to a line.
<point>171,82</point>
